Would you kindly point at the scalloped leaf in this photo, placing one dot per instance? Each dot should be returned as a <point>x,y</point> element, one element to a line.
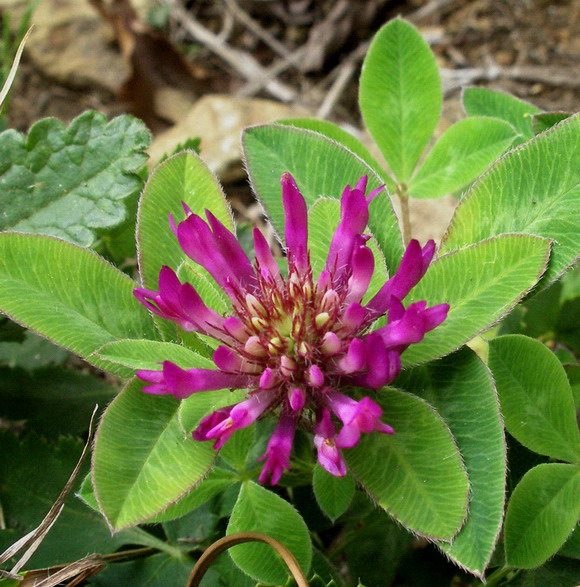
<point>70,182</point>
<point>460,154</point>
<point>486,102</point>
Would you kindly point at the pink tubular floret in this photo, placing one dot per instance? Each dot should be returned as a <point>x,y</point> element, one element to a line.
<point>300,345</point>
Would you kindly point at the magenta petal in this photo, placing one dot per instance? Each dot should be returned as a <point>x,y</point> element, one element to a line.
<point>358,417</point>
<point>353,317</point>
<point>296,222</point>
<point>434,316</point>
<point>235,328</point>
<point>355,358</point>
<point>297,399</point>
<point>329,455</point>
<point>315,376</point>
<point>204,319</point>
<point>408,330</point>
<point>396,309</point>
<point>264,255</point>
<point>217,425</point>
<point>181,383</point>
<point>354,215</point>
<point>375,193</point>
<point>361,184</point>
<point>226,359</point>
<point>363,265</point>
<point>330,344</point>
<point>232,252</point>
<point>414,264</point>
<point>201,245</point>
<point>248,411</point>
<point>379,361</point>
<point>278,451</point>
<point>268,379</point>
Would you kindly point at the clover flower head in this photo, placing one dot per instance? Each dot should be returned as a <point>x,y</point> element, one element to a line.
<point>299,344</point>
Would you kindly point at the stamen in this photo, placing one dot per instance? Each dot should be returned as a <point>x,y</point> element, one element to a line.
<point>322,319</point>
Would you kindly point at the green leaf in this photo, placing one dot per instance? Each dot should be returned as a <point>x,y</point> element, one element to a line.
<point>182,178</point>
<point>559,571</point>
<point>400,95</point>
<point>573,373</point>
<point>416,474</point>
<point>321,167</point>
<point>545,120</point>
<point>52,400</point>
<point>142,461</point>
<point>260,510</point>
<point>236,450</point>
<point>215,483</point>
<point>571,547</point>
<point>535,396</point>
<point>324,213</point>
<point>70,182</point>
<point>541,514</point>
<point>568,325</point>
<point>69,295</point>
<point>462,153</point>
<point>159,570</point>
<point>333,494</point>
<point>534,189</point>
<point>149,354</point>
<point>374,546</point>
<point>34,473</point>
<point>461,388</point>
<point>336,133</point>
<point>481,284</point>
<point>485,102</point>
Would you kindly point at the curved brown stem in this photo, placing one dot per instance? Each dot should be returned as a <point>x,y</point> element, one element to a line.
<point>211,553</point>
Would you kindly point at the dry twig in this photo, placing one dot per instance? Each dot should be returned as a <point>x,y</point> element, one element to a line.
<point>241,61</point>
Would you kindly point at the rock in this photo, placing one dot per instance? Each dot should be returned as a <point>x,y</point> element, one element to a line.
<point>71,43</point>
<point>219,121</point>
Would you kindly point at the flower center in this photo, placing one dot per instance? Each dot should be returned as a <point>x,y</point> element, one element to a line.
<point>290,324</point>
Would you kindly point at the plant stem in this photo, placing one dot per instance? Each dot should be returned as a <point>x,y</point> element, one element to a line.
<point>404,199</point>
<point>496,577</point>
<point>142,537</point>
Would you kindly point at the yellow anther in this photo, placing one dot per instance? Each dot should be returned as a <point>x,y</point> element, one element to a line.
<point>255,306</point>
<point>258,323</point>
<point>304,349</point>
<point>276,345</point>
<point>322,319</point>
